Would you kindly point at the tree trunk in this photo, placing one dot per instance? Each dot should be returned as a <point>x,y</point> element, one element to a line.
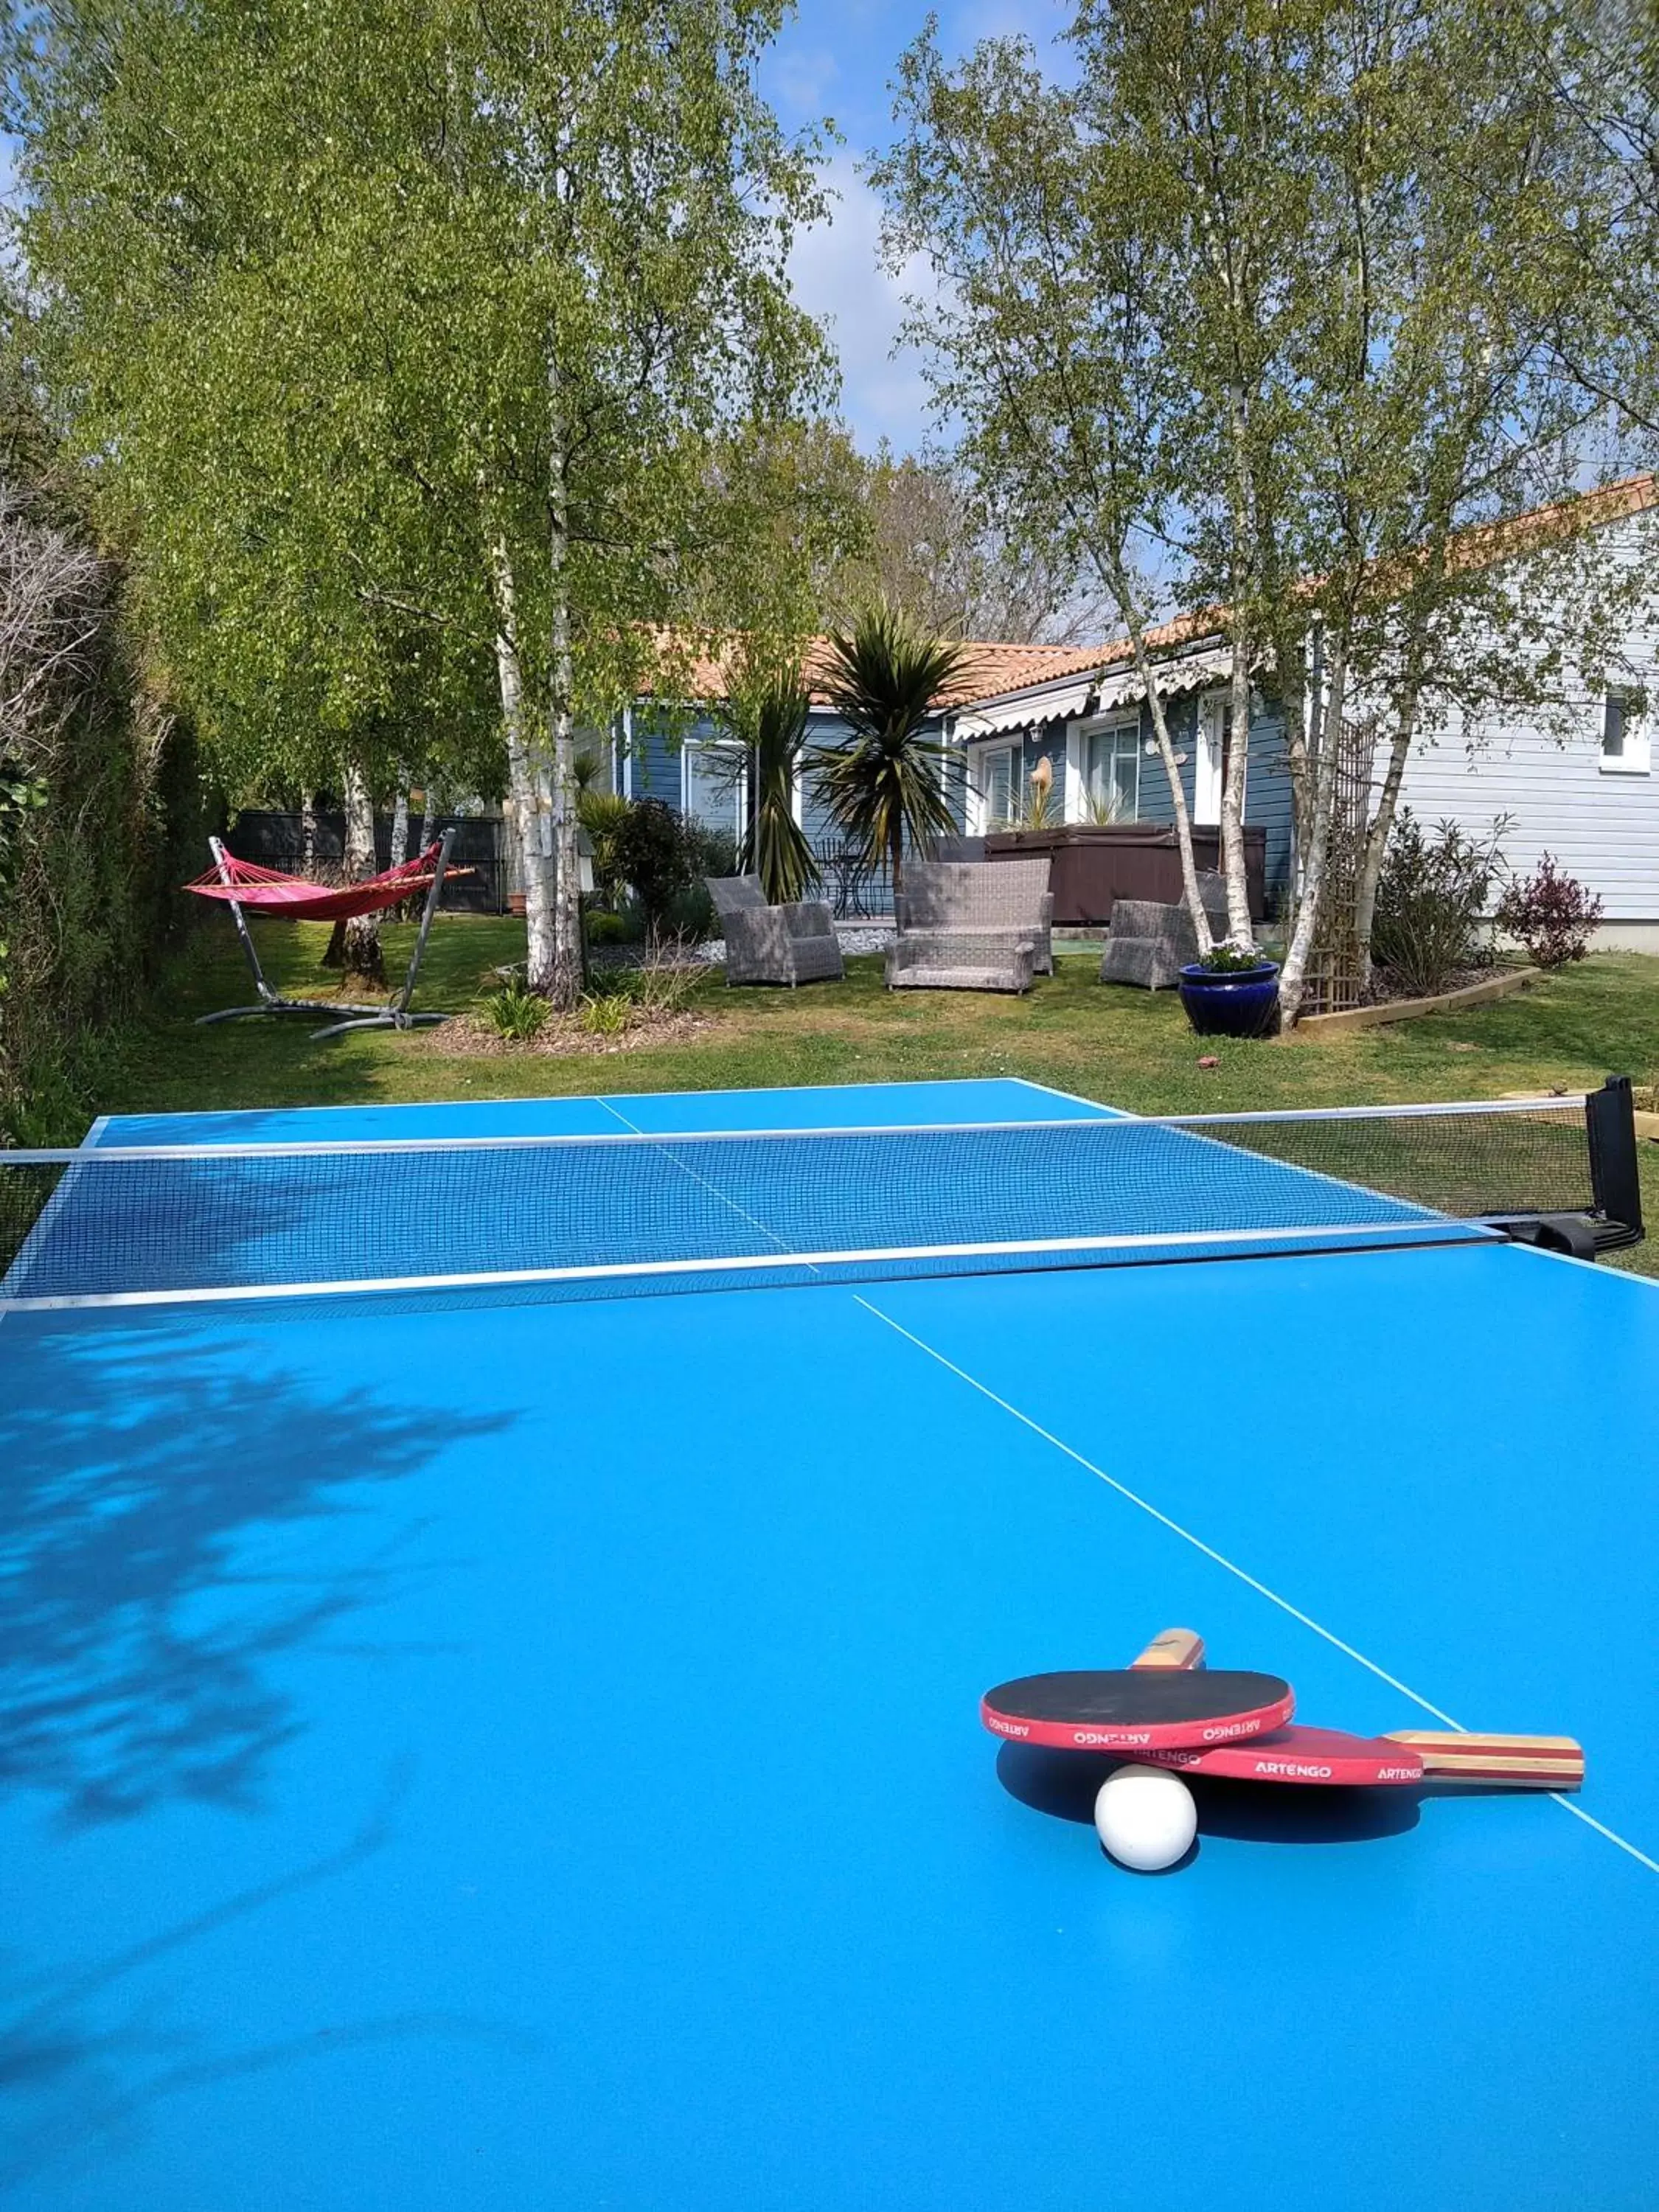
<point>307,831</point>
<point>1376,837</point>
<point>1115,577</point>
<point>564,985</point>
<point>355,946</point>
<point>1321,758</point>
<point>1381,825</point>
<point>526,809</point>
<point>400,821</point>
<point>429,811</point>
<point>1239,930</point>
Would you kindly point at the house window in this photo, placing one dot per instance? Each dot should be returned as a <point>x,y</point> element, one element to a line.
<point>712,783</point>
<point>1112,772</point>
<point>1625,745</point>
<point>999,782</point>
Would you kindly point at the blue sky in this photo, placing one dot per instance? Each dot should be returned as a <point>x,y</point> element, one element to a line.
<point>837,59</point>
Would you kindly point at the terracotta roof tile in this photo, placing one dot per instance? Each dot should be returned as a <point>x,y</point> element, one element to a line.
<point>992,668</point>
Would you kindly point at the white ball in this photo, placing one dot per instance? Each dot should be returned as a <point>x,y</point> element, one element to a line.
<point>1145,1817</point>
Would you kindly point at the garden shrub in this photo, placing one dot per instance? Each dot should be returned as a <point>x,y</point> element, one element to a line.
<point>664,856</point>
<point>604,928</point>
<point>653,855</point>
<point>515,1012</point>
<point>1433,894</point>
<point>1551,914</point>
<point>104,814</point>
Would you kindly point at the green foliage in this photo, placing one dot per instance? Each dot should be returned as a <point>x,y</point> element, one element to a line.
<point>633,997</point>
<point>604,928</point>
<point>1038,810</point>
<point>605,1014</point>
<point>1290,294</point>
<point>770,722</point>
<point>436,391</point>
<point>1551,914</point>
<point>602,815</point>
<point>1102,808</point>
<point>654,854</point>
<point>103,815</point>
<point>663,987</point>
<point>882,784</point>
<point>515,1012</point>
<point>1431,898</point>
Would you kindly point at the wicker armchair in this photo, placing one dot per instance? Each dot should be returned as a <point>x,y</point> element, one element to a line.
<point>984,900</point>
<point>774,944</point>
<point>1150,944</point>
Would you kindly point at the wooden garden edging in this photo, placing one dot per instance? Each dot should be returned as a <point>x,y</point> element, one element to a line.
<point>1312,1027</point>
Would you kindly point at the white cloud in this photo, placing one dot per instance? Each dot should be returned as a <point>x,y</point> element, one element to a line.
<point>837,274</point>
<point>801,79</point>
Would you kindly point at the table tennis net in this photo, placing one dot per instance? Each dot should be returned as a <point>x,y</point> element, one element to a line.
<point>608,1217</point>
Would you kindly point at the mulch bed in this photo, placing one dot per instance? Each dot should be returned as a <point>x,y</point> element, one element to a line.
<point>1384,988</point>
<point>562,1037</point>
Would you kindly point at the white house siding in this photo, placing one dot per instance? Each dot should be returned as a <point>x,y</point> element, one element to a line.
<point>1600,823</point>
<point>1600,826</point>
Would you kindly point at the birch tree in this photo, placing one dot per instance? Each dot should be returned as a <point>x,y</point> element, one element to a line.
<point>1292,279</point>
<point>524,267</point>
<point>1037,219</point>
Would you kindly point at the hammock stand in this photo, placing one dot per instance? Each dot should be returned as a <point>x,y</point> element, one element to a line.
<point>238,883</point>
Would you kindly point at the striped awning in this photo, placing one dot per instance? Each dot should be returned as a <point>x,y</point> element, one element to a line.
<point>1094,694</point>
<point>1197,672</point>
<point>1001,718</point>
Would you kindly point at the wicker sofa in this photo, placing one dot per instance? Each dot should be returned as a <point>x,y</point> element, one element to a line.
<point>1149,944</point>
<point>972,925</point>
<point>767,944</point>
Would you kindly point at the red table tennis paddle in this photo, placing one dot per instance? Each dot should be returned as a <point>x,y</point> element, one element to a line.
<point>1406,1758</point>
<point>1168,1705</point>
<point>1333,1759</point>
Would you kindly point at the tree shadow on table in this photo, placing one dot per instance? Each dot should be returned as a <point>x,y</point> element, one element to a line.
<point>153,1604</point>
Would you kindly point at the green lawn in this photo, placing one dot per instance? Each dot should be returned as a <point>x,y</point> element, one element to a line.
<point>1127,1047</point>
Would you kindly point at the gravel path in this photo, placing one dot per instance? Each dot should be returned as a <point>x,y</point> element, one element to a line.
<point>854,936</point>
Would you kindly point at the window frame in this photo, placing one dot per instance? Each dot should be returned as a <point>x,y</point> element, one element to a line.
<point>979,781</point>
<point>1118,728</point>
<point>1634,754</point>
<point>690,749</point>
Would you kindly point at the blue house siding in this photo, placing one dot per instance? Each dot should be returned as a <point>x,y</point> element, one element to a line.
<point>653,765</point>
<point>1156,804</point>
<point>1268,797</point>
<point>821,730</point>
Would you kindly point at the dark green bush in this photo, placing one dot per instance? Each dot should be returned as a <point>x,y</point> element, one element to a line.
<point>604,928</point>
<point>652,856</point>
<point>1432,897</point>
<point>664,856</point>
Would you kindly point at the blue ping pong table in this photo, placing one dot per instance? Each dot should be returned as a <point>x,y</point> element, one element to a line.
<point>527,1754</point>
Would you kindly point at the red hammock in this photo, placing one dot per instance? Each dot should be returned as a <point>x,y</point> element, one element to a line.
<point>244,882</point>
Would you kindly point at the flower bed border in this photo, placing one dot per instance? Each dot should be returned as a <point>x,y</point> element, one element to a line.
<point>1312,1027</point>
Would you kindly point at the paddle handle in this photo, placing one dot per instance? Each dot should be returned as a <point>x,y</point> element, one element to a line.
<point>1525,1762</point>
<point>1179,1650</point>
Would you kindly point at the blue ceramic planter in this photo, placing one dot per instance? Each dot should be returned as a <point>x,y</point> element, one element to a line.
<point>1244,1004</point>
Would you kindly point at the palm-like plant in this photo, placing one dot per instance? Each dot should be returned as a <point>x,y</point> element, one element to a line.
<point>603,814</point>
<point>771,723</point>
<point>883,783</point>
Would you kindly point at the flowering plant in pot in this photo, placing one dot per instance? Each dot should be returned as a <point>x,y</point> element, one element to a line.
<point>1231,991</point>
